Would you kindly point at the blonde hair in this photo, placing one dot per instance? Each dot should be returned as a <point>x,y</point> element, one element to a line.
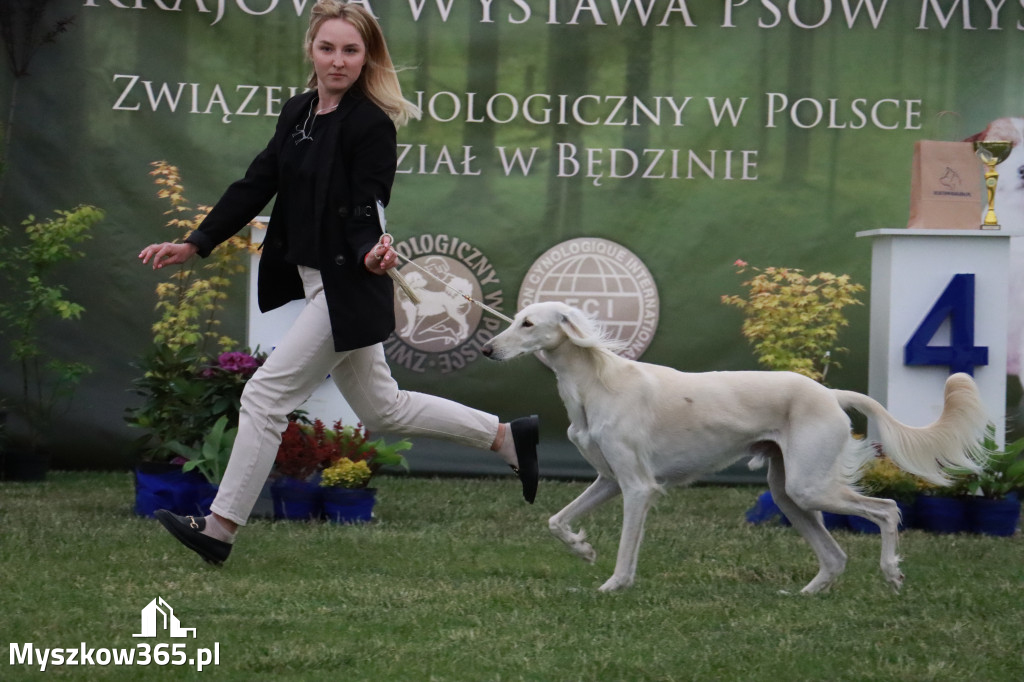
<point>379,79</point>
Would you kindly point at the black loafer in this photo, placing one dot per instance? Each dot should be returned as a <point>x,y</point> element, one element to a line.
<point>188,531</point>
<point>526,435</point>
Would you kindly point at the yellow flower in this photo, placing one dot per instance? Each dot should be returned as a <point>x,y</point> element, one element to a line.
<point>880,477</point>
<point>346,474</point>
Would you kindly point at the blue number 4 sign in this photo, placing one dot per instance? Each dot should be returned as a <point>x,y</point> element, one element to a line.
<point>961,355</point>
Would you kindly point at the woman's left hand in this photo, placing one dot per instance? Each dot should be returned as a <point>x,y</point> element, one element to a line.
<point>167,253</point>
<point>381,257</point>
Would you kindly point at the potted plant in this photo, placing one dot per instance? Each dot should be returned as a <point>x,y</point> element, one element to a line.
<point>347,497</point>
<point>33,301</point>
<point>943,509</point>
<point>327,472</point>
<point>994,505</point>
<point>189,412</point>
<point>300,458</point>
<point>193,374</point>
<point>793,320</point>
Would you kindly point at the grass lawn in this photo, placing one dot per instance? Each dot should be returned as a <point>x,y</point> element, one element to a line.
<point>460,580</point>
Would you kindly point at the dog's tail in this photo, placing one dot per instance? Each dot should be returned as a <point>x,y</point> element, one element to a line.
<point>952,441</point>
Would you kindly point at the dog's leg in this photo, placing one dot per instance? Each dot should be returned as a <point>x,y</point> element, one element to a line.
<point>636,501</point>
<point>831,557</point>
<point>884,513</point>
<point>599,492</point>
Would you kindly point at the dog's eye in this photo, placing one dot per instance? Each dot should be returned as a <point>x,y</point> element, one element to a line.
<point>527,323</point>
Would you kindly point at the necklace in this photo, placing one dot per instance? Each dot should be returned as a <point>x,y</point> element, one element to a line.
<point>305,131</point>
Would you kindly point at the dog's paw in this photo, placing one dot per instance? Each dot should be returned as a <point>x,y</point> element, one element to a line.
<point>896,582</point>
<point>585,551</point>
<point>576,542</point>
<point>893,574</point>
<point>616,583</point>
<point>581,548</point>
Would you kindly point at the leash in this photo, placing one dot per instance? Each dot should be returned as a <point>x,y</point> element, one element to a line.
<point>395,274</point>
<point>409,291</point>
<point>400,281</point>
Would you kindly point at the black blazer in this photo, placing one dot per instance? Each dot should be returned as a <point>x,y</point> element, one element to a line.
<point>349,182</point>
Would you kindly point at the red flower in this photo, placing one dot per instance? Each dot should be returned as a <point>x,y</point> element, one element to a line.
<point>307,449</point>
<point>297,457</point>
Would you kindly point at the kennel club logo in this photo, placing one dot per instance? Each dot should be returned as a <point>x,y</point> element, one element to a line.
<point>604,279</point>
<point>444,332</point>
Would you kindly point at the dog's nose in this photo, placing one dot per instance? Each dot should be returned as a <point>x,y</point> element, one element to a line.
<point>487,350</point>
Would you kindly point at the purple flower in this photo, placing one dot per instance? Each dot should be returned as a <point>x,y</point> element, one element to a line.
<point>240,363</point>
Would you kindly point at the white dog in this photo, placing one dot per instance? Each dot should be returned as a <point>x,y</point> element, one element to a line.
<point>640,425</point>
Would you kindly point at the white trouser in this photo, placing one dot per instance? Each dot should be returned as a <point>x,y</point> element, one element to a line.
<point>295,368</point>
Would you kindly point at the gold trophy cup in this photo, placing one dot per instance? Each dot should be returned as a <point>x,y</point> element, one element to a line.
<point>992,153</point>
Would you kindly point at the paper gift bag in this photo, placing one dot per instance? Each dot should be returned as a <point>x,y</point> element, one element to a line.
<point>945,186</point>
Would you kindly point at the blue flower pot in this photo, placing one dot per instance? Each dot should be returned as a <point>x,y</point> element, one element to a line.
<point>938,514</point>
<point>908,511</point>
<point>994,517</point>
<point>159,485</point>
<point>766,511</point>
<point>295,500</point>
<point>345,505</point>
<point>835,521</point>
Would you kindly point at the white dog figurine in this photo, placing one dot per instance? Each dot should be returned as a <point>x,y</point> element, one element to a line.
<point>641,425</point>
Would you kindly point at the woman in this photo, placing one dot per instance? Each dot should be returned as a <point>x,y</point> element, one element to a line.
<point>331,159</point>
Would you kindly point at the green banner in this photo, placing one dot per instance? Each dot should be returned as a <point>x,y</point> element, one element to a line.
<point>619,154</point>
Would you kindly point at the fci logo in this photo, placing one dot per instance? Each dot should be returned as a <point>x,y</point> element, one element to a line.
<point>603,279</point>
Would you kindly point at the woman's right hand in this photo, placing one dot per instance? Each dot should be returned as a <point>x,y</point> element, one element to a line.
<point>381,257</point>
<point>167,254</point>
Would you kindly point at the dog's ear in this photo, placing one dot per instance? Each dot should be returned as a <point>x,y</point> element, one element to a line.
<point>572,328</point>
